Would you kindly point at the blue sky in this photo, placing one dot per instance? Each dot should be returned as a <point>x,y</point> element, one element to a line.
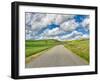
<point>56,26</point>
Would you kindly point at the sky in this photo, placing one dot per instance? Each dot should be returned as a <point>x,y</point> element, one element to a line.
<point>40,26</point>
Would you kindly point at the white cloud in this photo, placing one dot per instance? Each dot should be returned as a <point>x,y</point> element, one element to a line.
<point>37,21</point>
<point>40,21</point>
<point>86,22</point>
<point>86,36</point>
<point>75,35</point>
<point>72,36</point>
<point>28,17</point>
<point>53,32</point>
<point>69,25</point>
<point>50,35</point>
<point>62,18</point>
<point>28,31</point>
<point>49,18</point>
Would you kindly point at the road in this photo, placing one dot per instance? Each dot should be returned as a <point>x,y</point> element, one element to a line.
<point>56,56</point>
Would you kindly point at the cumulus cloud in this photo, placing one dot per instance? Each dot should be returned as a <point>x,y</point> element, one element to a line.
<point>28,17</point>
<point>53,32</point>
<point>37,26</point>
<point>69,25</point>
<point>86,22</point>
<point>62,18</point>
<point>38,20</point>
<point>72,35</point>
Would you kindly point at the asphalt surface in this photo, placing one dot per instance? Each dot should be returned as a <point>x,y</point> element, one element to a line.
<point>56,56</point>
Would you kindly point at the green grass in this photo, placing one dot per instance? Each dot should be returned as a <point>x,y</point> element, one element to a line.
<point>79,47</point>
<point>35,46</point>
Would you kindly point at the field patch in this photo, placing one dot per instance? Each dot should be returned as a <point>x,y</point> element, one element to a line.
<point>79,47</point>
<point>35,46</point>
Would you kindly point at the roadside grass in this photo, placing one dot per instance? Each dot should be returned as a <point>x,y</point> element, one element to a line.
<point>35,46</point>
<point>79,47</point>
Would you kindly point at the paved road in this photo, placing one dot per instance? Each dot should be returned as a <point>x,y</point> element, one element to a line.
<point>56,56</point>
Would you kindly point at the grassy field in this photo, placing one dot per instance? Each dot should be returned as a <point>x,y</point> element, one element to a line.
<point>79,47</point>
<point>35,46</point>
